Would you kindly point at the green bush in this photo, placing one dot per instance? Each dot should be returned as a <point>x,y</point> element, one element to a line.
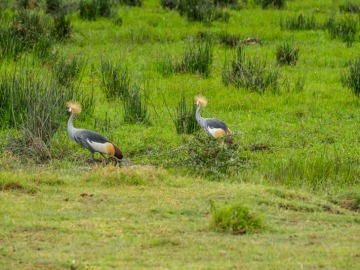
<point>251,74</point>
<point>351,78</point>
<point>234,219</point>
<point>213,158</point>
<point>286,54</point>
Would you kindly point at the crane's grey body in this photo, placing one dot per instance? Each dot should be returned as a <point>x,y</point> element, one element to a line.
<point>86,138</point>
<point>211,125</point>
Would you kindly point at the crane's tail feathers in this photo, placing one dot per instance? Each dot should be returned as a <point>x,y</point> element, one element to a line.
<point>201,101</point>
<point>74,107</point>
<point>118,153</point>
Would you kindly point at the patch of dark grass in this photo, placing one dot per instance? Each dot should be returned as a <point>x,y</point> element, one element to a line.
<point>196,59</point>
<point>135,107</point>
<point>62,27</point>
<point>250,73</point>
<point>67,69</point>
<point>115,79</point>
<point>92,9</point>
<point>229,39</point>
<point>286,54</point>
<point>349,7</point>
<point>234,219</point>
<point>351,77</point>
<point>300,22</point>
<point>278,4</point>
<point>344,28</point>
<point>132,3</point>
<point>184,119</point>
<point>202,10</point>
<point>53,6</point>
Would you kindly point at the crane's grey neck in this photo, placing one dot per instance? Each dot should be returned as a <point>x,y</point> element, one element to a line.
<point>199,119</point>
<point>70,126</point>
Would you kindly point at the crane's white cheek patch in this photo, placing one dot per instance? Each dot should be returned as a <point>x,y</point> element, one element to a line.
<point>216,132</point>
<point>99,147</point>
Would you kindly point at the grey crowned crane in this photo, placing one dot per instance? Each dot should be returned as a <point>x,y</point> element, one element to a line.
<point>215,127</point>
<point>91,140</point>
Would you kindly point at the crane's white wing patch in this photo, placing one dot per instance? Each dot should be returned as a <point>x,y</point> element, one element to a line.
<point>98,147</point>
<point>216,132</point>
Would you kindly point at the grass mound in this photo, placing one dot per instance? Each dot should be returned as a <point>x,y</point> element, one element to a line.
<point>235,219</point>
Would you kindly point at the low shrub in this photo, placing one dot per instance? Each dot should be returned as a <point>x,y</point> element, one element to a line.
<point>235,219</point>
<point>213,158</point>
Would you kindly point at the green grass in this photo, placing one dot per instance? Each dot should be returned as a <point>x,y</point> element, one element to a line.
<point>295,164</point>
<point>96,218</point>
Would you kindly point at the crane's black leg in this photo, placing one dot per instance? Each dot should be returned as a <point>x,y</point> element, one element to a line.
<point>102,154</point>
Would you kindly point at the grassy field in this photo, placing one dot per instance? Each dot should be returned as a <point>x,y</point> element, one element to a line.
<point>294,167</point>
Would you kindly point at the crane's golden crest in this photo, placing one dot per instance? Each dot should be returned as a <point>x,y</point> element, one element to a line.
<point>201,101</point>
<point>74,107</point>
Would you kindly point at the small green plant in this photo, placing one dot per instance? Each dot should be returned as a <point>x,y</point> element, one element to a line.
<point>250,73</point>
<point>235,219</point>
<point>184,120</point>
<point>115,79</point>
<point>279,4</point>
<point>351,78</point>
<point>135,108</point>
<point>349,7</point>
<point>286,54</point>
<point>300,22</point>
<point>197,59</point>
